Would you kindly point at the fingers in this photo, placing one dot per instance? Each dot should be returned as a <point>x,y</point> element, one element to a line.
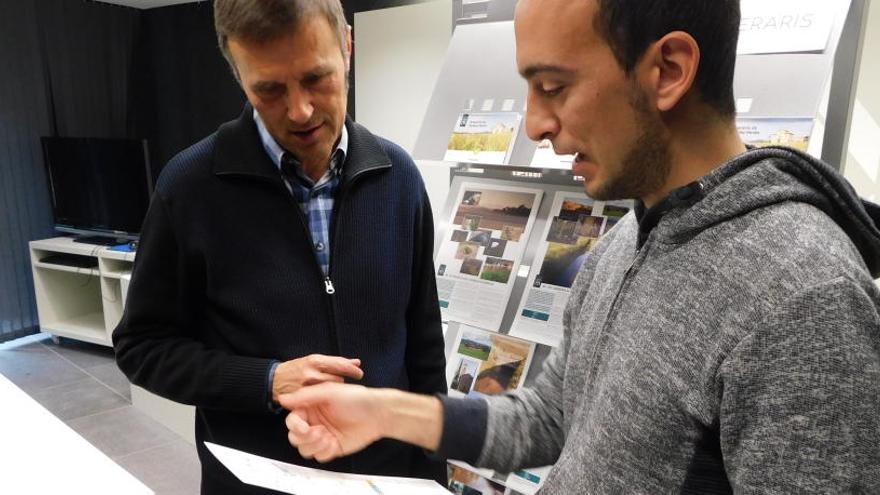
<point>337,365</point>
<point>312,441</point>
<point>307,396</point>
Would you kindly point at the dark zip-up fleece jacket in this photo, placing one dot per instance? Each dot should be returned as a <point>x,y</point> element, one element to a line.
<point>737,349</point>
<point>226,280</point>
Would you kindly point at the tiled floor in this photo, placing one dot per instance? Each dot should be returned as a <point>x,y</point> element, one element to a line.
<point>80,384</point>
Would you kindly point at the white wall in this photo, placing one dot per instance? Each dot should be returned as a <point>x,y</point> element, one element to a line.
<point>398,54</point>
<point>862,166</point>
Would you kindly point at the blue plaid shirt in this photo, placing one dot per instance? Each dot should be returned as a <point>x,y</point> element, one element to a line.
<point>315,198</point>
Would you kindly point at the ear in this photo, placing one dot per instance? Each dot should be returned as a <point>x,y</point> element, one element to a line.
<point>673,60</point>
<point>348,47</point>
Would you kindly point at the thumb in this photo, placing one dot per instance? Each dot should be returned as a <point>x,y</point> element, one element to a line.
<point>305,397</point>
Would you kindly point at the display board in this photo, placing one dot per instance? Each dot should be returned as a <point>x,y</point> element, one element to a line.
<point>480,74</point>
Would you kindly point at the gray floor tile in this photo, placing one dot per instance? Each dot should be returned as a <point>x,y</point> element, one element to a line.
<point>171,469</point>
<point>109,375</point>
<point>83,354</point>
<point>35,369</point>
<point>122,431</point>
<point>78,399</point>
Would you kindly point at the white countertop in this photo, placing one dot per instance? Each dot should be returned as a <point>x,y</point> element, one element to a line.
<point>40,454</point>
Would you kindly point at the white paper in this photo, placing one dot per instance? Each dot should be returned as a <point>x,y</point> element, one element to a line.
<point>488,104</point>
<point>481,252</point>
<point>791,132</point>
<point>289,478</point>
<point>787,26</point>
<point>575,226</point>
<point>483,137</point>
<point>545,157</point>
<point>507,105</point>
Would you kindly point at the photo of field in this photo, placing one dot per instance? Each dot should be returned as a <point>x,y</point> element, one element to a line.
<point>574,208</point>
<point>562,262</point>
<point>497,270</point>
<point>613,211</point>
<point>794,133</point>
<point>496,210</point>
<point>475,344</point>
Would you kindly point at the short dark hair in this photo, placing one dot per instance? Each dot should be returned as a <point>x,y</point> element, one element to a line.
<point>265,20</point>
<point>629,26</point>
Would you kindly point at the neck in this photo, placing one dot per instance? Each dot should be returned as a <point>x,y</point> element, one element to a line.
<point>697,147</point>
<point>316,170</point>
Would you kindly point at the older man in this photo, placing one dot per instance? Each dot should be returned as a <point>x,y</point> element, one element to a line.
<point>289,248</point>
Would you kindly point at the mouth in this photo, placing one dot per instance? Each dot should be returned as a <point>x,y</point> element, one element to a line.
<point>307,134</point>
<point>580,164</point>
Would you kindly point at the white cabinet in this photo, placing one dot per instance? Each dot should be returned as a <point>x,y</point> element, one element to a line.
<point>80,303</point>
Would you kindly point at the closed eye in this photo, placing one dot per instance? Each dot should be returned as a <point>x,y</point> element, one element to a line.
<point>548,91</point>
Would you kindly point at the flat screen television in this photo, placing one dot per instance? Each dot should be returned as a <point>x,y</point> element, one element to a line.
<point>99,187</point>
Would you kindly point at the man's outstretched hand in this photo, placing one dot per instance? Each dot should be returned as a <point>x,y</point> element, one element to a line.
<point>331,420</point>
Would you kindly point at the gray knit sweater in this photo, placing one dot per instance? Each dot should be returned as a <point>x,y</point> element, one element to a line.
<point>733,348</point>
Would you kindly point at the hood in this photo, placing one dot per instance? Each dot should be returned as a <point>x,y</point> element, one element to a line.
<point>766,176</point>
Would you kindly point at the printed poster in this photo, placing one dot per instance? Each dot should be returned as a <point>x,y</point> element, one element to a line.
<point>483,137</point>
<point>577,223</point>
<point>463,481</point>
<point>791,132</point>
<point>545,157</point>
<point>486,363</point>
<point>481,251</point>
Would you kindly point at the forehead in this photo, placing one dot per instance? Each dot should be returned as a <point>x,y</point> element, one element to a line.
<point>312,42</point>
<point>554,31</point>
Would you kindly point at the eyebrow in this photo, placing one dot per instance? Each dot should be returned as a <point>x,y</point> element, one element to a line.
<point>533,70</point>
<point>318,72</point>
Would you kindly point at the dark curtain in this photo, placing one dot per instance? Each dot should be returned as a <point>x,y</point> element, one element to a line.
<point>66,70</point>
<point>24,200</point>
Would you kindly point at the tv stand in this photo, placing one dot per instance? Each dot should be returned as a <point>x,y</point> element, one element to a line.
<point>80,288</point>
<point>100,240</point>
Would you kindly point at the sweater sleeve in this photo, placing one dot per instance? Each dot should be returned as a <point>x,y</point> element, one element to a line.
<point>155,346</point>
<point>801,395</point>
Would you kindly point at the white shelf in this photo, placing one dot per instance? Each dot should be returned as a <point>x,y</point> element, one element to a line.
<point>116,274</point>
<point>89,328</point>
<point>66,268</point>
<point>80,303</point>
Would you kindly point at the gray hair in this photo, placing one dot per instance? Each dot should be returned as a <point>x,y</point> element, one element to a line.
<point>265,20</point>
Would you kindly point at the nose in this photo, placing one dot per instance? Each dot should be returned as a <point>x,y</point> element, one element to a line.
<point>299,106</point>
<point>541,120</point>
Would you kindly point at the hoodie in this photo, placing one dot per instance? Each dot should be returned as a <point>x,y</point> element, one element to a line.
<point>729,344</point>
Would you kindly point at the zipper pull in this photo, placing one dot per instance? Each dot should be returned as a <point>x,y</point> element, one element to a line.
<point>328,286</point>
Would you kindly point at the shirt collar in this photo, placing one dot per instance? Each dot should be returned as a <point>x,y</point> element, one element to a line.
<point>275,151</point>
